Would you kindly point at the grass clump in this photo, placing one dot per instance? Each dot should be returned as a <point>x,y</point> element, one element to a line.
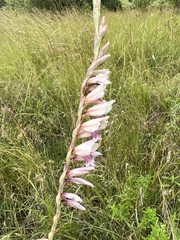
<point>43,59</point>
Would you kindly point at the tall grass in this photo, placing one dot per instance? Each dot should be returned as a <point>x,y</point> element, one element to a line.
<point>43,59</point>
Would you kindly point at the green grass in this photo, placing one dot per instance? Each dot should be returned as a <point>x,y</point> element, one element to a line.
<point>43,59</point>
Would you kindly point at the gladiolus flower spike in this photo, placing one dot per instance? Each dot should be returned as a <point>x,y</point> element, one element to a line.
<point>91,120</point>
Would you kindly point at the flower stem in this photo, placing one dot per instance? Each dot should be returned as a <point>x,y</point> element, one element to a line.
<point>69,154</point>
<point>66,167</point>
<point>97,40</point>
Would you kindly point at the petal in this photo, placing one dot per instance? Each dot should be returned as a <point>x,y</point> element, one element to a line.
<point>94,124</point>
<point>99,79</point>
<point>90,88</point>
<point>100,109</point>
<point>74,204</point>
<point>93,154</point>
<point>89,161</point>
<point>91,125</point>
<point>96,135</point>
<point>79,181</point>
<point>84,134</point>
<point>97,93</point>
<point>84,148</point>
<point>79,158</point>
<point>103,123</point>
<point>71,196</point>
<point>95,147</point>
<point>96,154</point>
<point>79,171</point>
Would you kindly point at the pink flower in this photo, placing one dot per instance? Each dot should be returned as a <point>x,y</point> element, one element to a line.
<point>100,109</point>
<point>95,94</point>
<point>91,128</point>
<point>79,158</point>
<point>84,134</point>
<point>90,88</point>
<point>84,148</point>
<point>96,135</point>
<point>99,79</point>
<point>74,204</point>
<point>89,159</point>
<point>80,171</point>
<point>71,196</point>
<point>95,124</point>
<point>79,181</point>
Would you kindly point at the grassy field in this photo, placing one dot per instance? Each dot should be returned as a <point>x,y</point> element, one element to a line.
<point>43,59</point>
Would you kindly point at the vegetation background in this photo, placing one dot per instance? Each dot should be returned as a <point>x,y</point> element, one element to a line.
<point>86,4</point>
<point>43,59</point>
